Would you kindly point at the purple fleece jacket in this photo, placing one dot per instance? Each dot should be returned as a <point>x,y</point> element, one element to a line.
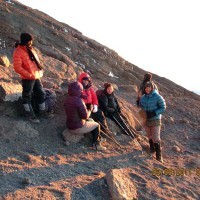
<point>75,108</point>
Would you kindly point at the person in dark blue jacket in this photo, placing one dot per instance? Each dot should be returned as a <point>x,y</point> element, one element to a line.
<point>154,105</point>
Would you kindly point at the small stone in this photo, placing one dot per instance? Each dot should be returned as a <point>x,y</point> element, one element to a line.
<point>26,180</point>
<point>176,149</point>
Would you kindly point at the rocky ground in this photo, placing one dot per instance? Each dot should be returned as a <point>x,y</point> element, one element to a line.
<point>35,162</point>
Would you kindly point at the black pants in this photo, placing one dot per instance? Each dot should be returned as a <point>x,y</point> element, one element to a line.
<point>32,85</point>
<point>100,118</point>
<point>118,120</point>
<point>96,135</point>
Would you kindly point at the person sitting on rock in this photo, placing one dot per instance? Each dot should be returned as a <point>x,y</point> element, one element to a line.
<point>154,105</point>
<point>77,115</point>
<point>26,63</point>
<point>90,98</point>
<point>141,91</point>
<point>108,103</point>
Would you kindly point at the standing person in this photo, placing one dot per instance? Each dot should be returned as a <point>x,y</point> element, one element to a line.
<point>26,63</point>
<point>154,105</point>
<point>90,98</point>
<point>108,103</point>
<point>77,115</point>
<point>147,77</point>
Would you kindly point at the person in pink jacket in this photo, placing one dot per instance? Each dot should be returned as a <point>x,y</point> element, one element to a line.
<point>90,98</point>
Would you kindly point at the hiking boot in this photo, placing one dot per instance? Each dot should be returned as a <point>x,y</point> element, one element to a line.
<point>30,117</point>
<point>152,148</point>
<point>158,152</point>
<point>46,114</point>
<point>99,147</point>
<point>102,140</point>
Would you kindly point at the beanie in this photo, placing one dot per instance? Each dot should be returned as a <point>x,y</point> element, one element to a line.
<point>147,77</point>
<point>25,37</point>
<point>148,84</point>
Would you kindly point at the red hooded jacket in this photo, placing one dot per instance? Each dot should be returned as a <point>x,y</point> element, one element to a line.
<point>89,93</point>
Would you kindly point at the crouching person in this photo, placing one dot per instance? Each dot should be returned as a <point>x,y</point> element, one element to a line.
<point>154,105</point>
<point>77,115</point>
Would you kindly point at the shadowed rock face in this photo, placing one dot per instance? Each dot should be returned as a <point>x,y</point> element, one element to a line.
<point>64,53</point>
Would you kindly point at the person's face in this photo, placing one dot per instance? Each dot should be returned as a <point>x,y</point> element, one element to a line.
<point>85,82</point>
<point>29,43</point>
<point>110,90</point>
<point>148,90</point>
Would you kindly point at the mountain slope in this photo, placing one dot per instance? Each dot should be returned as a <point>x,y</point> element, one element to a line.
<point>34,161</point>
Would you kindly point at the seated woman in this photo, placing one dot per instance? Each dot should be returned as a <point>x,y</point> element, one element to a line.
<point>108,103</point>
<point>77,115</point>
<point>90,98</point>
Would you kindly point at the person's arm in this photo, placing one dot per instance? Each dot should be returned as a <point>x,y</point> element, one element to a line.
<point>104,103</point>
<point>82,110</point>
<point>17,63</point>
<point>117,103</point>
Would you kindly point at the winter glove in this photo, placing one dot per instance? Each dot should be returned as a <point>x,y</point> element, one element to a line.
<point>150,114</point>
<point>89,106</point>
<point>95,108</point>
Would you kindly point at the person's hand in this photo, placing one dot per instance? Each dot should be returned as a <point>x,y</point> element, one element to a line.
<point>95,108</point>
<point>150,114</point>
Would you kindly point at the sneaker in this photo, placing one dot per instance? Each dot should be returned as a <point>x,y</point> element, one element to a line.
<point>100,148</point>
<point>34,120</point>
<point>30,117</point>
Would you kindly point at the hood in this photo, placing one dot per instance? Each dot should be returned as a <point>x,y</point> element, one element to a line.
<point>83,75</point>
<point>75,89</point>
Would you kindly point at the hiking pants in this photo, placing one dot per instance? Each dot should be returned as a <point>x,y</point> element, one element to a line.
<point>101,119</point>
<point>28,87</point>
<point>89,126</point>
<point>153,133</point>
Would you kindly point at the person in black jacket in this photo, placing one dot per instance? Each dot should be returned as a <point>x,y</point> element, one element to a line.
<point>108,103</point>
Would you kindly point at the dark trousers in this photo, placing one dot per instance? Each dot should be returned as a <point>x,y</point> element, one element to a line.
<point>117,118</point>
<point>30,86</point>
<point>100,118</point>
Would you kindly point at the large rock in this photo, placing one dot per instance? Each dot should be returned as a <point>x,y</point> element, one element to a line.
<point>71,138</point>
<point>10,91</point>
<point>121,187</point>
<point>4,61</point>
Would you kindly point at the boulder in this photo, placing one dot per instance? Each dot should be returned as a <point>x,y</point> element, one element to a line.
<point>120,186</point>
<point>4,61</point>
<point>71,138</point>
<point>10,91</point>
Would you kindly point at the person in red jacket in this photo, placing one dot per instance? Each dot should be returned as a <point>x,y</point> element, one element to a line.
<point>26,63</point>
<point>78,116</point>
<point>90,98</point>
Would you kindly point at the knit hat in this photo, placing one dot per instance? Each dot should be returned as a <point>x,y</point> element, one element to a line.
<point>147,77</point>
<point>148,84</point>
<point>25,37</point>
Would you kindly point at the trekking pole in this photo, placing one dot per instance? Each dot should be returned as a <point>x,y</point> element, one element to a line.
<point>132,137</point>
<point>128,127</point>
<point>113,140</point>
<point>109,135</point>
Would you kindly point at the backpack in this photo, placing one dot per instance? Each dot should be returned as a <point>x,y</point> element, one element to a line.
<point>50,101</point>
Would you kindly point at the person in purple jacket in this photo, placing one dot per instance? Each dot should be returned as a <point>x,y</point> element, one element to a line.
<point>77,115</point>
